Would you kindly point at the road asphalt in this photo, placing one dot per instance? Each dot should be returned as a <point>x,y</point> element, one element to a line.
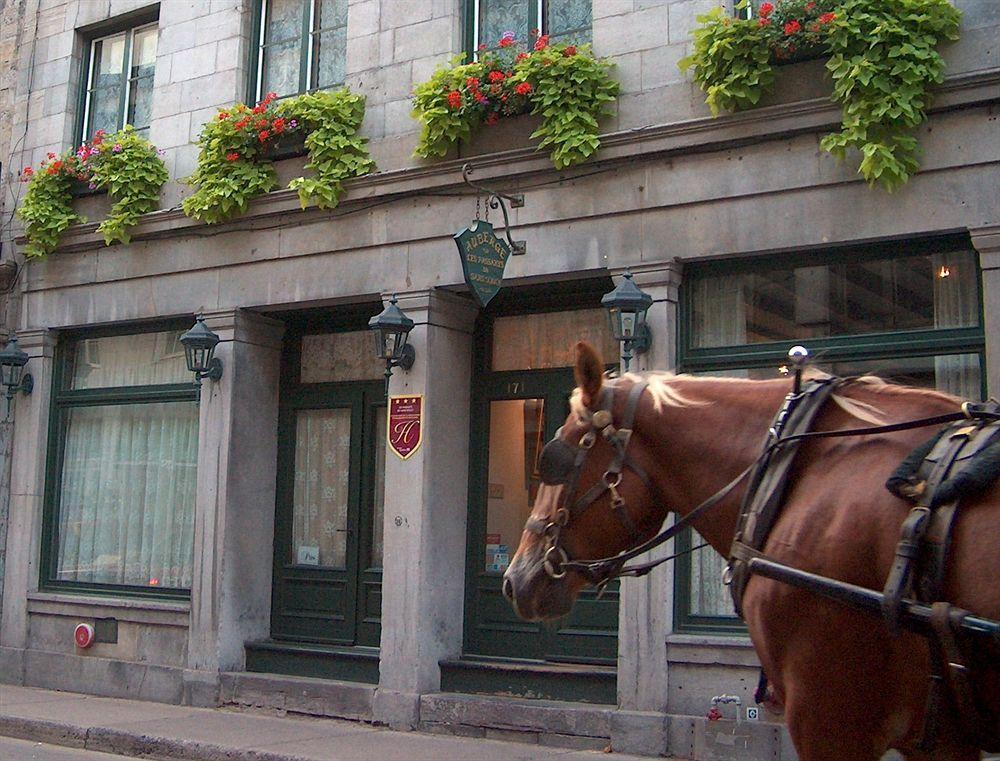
<point>91,727</point>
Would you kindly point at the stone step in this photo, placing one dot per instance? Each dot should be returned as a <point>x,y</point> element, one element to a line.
<point>572,682</point>
<point>347,664</point>
<point>547,722</point>
<point>298,694</point>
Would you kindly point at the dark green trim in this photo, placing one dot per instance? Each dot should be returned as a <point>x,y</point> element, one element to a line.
<point>65,400</point>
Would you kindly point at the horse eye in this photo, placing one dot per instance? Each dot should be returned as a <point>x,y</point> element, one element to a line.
<point>556,463</point>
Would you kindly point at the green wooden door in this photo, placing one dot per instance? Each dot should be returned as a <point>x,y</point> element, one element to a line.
<point>328,517</point>
<point>514,414</point>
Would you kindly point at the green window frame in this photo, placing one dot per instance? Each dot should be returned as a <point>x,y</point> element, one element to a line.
<point>898,345</point>
<point>552,17</point>
<point>136,81</point>
<point>67,400</point>
<point>317,35</point>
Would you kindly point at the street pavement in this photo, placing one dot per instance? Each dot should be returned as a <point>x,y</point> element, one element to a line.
<point>91,727</point>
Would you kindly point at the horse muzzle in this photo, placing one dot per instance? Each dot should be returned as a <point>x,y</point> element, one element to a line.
<point>534,593</point>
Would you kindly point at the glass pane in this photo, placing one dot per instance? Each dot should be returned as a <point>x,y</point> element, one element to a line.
<point>329,58</point>
<point>105,111</point>
<point>958,374</point>
<point>144,51</point>
<point>141,359</point>
<point>330,13</point>
<point>127,495</point>
<point>499,16</point>
<point>378,511</point>
<point>280,71</point>
<point>140,102</point>
<point>543,340</point>
<point>284,20</point>
<point>330,357</point>
<point>568,20</point>
<point>107,82</point>
<point>517,435</point>
<point>873,296</point>
<point>321,492</point>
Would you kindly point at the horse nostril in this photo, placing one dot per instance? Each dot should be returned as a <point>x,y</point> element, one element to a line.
<point>508,589</point>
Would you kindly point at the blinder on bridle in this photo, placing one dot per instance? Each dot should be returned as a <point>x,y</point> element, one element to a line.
<point>561,464</point>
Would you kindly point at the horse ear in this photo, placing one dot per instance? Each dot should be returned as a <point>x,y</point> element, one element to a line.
<point>589,373</point>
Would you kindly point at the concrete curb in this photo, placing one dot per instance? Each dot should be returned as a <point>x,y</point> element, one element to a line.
<point>124,743</point>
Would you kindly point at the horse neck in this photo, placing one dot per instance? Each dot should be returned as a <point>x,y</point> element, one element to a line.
<point>707,443</point>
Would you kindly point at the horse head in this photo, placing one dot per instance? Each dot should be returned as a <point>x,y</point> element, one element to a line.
<point>596,498</point>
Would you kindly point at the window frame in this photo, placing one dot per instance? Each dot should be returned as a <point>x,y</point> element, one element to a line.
<point>536,9</point>
<point>307,42</point>
<point>64,400</point>
<point>899,344</point>
<point>128,23</point>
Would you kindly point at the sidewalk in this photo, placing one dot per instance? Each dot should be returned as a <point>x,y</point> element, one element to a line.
<point>136,728</point>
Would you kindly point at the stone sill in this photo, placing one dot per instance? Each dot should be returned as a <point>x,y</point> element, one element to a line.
<point>701,135</point>
<point>711,650</point>
<point>161,612</point>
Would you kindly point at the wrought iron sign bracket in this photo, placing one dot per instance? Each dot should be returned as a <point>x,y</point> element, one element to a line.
<point>496,201</point>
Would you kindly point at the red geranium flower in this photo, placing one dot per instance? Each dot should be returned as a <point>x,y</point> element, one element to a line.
<point>507,39</point>
<point>51,155</point>
<point>492,119</point>
<point>520,57</point>
<point>497,76</point>
<point>765,10</point>
<point>26,173</point>
<point>810,5</point>
<point>826,18</point>
<point>523,89</point>
<point>263,135</point>
<point>472,83</point>
<point>232,156</point>
<point>241,123</point>
<point>542,42</point>
<point>569,50</point>
<point>259,108</point>
<point>792,27</point>
<point>278,126</point>
<point>455,99</point>
<point>222,116</point>
<point>764,22</point>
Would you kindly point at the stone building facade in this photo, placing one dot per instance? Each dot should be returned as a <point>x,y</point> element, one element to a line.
<point>378,597</point>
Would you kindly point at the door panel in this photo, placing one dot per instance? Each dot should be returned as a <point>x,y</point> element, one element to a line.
<point>326,590</point>
<point>514,417</point>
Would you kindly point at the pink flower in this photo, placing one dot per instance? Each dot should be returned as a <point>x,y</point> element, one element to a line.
<point>117,148</point>
<point>507,39</point>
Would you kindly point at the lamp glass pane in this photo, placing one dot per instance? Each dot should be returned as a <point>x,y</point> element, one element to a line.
<point>628,321</point>
<point>12,375</point>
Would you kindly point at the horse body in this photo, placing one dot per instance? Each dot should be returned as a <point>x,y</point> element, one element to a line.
<point>850,688</point>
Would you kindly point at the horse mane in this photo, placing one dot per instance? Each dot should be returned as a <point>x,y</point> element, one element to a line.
<point>665,394</point>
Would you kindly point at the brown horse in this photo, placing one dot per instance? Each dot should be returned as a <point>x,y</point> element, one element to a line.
<point>850,689</point>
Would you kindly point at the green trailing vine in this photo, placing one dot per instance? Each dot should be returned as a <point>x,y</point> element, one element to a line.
<point>882,56</point>
<point>234,164</point>
<point>125,164</point>
<point>564,84</point>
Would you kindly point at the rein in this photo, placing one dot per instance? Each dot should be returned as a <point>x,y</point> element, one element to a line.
<point>556,469</point>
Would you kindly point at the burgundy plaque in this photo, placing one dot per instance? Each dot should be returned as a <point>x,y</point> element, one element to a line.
<point>405,424</point>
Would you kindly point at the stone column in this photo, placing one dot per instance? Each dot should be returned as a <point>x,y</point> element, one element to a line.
<point>986,240</point>
<point>645,606</point>
<point>234,513</point>
<point>426,501</point>
<point>27,485</point>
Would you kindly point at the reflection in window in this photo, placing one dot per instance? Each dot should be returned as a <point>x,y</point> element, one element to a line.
<point>542,340</point>
<point>302,46</point>
<point>563,20</point>
<point>120,81</point>
<point>516,440</point>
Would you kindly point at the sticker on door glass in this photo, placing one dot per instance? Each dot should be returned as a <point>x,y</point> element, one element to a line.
<point>308,555</point>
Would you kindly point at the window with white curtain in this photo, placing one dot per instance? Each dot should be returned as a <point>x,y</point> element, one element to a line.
<point>909,312</point>
<point>301,46</point>
<point>119,81</point>
<point>123,465</point>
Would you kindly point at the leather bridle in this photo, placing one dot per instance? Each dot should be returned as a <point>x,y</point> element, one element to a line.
<point>561,464</point>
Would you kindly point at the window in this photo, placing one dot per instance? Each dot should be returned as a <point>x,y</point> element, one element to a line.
<point>301,46</point>
<point>909,312</point>
<point>119,86</point>
<point>122,466</point>
<point>562,20</point>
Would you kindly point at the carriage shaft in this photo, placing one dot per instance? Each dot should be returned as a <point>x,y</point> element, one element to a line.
<point>915,616</point>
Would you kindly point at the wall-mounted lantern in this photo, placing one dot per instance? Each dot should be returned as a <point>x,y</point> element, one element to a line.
<point>199,346</point>
<point>627,305</point>
<point>391,327</point>
<point>12,362</point>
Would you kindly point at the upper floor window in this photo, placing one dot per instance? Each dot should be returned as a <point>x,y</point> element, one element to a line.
<point>119,81</point>
<point>562,20</point>
<point>301,46</point>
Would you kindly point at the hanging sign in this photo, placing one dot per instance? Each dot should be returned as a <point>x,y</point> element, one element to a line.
<point>405,430</point>
<point>484,257</point>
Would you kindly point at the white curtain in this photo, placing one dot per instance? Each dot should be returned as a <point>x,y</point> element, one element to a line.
<point>321,491</point>
<point>143,359</point>
<point>126,507</point>
<point>956,304</point>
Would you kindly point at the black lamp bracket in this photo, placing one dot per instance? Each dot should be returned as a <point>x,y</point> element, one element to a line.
<point>214,371</point>
<point>406,358</point>
<point>643,339</point>
<point>496,201</point>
